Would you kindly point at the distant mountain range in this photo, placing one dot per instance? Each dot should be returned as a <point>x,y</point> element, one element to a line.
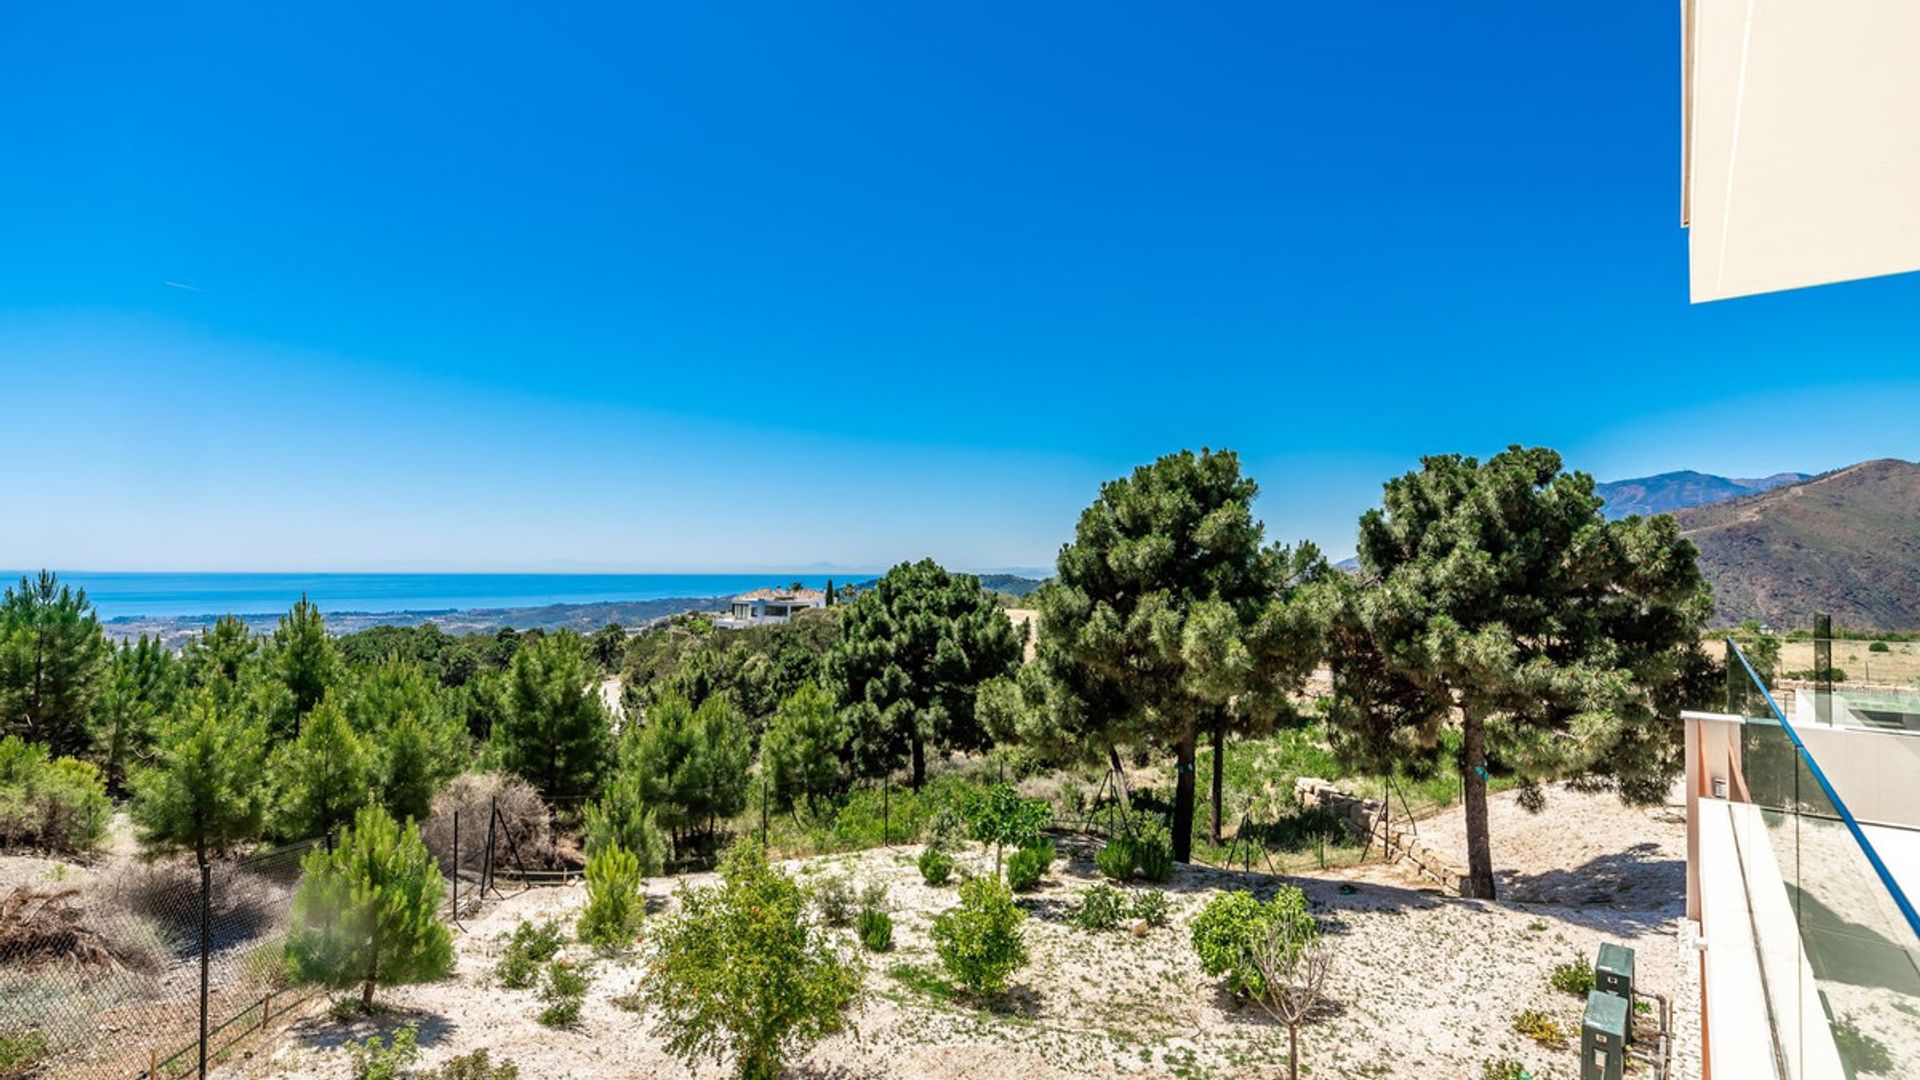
<point>1663,494</point>
<point>1846,543</point>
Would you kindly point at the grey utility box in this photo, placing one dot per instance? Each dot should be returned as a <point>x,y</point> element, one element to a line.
<point>1613,972</point>
<point>1603,1037</point>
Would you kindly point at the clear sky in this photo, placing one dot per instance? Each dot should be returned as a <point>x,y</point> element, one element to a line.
<point>732,286</point>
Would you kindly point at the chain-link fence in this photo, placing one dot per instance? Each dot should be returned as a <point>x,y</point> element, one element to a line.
<point>161,969</point>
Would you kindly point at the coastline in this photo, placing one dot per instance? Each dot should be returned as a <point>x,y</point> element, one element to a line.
<point>174,630</point>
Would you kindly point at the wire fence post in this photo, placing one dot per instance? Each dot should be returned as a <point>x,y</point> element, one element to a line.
<point>206,952</point>
<point>886,810</point>
<point>763,813</point>
<point>486,864</point>
<point>456,865</point>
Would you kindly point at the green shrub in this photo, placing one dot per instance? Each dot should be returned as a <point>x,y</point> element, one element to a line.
<point>388,1060</point>
<point>621,820</point>
<point>833,897</point>
<point>1152,906</point>
<point>531,945</point>
<point>1502,1069</point>
<point>1101,907</point>
<point>945,829</point>
<point>1001,818</point>
<point>980,942</point>
<point>614,902</point>
<point>55,804</point>
<point>1574,977</point>
<point>936,866</point>
<point>1879,646</point>
<point>1118,858</point>
<point>20,1051</point>
<point>564,992</point>
<point>1231,924</point>
<point>740,973</point>
<point>1027,866</point>
<point>475,1066</point>
<point>1540,1027</point>
<point>875,928</point>
<point>1154,855</point>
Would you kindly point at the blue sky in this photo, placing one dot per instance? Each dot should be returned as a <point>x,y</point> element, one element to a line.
<point>729,286</point>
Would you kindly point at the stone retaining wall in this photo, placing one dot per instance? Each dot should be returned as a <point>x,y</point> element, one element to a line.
<point>1362,816</point>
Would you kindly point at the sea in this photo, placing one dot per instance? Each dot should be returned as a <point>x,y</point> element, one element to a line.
<point>117,594</point>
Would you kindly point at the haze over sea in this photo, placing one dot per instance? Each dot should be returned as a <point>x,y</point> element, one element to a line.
<point>123,593</point>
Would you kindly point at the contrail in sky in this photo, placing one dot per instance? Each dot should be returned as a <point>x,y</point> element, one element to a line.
<point>178,285</point>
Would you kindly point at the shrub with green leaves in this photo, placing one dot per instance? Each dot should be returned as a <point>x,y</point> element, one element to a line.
<point>1118,858</point>
<point>532,944</point>
<point>20,1051</point>
<point>1502,1069</point>
<point>1232,924</point>
<point>1151,906</point>
<point>614,901</point>
<point>1540,1027</point>
<point>475,1066</point>
<point>368,912</point>
<point>1101,907</point>
<point>739,972</point>
<point>981,941</point>
<point>1000,817</point>
<point>875,927</point>
<point>1573,977</point>
<point>945,829</point>
<point>936,866</point>
<point>564,991</point>
<point>56,804</point>
<point>1027,866</point>
<point>386,1059</point>
<point>1153,854</point>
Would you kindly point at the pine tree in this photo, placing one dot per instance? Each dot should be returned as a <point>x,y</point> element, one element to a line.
<point>203,792</point>
<point>830,597</point>
<point>368,912</point>
<point>324,775</point>
<point>556,732</point>
<point>915,650</point>
<point>1496,596</point>
<point>622,819</point>
<point>420,743</point>
<point>303,658</point>
<point>803,747</point>
<point>140,687</point>
<point>219,657</point>
<point>52,658</point>
<point>691,764</point>
<point>1170,619</point>
<point>614,900</point>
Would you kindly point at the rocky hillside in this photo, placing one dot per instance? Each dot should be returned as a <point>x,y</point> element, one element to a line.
<point>1846,543</point>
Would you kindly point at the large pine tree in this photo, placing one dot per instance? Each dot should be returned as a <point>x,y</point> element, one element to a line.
<point>556,732</point>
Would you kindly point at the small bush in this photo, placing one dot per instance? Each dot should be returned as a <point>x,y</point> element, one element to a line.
<point>55,804</point>
<point>1154,855</point>
<point>20,1051</point>
<point>980,942</point>
<point>1026,867</point>
<point>614,903</point>
<point>1118,858</point>
<point>1152,906</point>
<point>945,829</point>
<point>388,1060</point>
<point>834,899</point>
<point>1502,1069</point>
<point>936,866</point>
<point>1540,1027</point>
<point>475,1066</point>
<point>875,928</point>
<point>564,992</point>
<point>1101,907</point>
<point>531,945</point>
<point>1573,977</point>
<point>1232,924</point>
<point>1879,646</point>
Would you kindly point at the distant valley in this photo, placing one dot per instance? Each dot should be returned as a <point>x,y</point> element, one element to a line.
<point>1672,491</point>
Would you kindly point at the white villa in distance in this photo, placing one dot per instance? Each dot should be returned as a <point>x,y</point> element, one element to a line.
<point>762,606</point>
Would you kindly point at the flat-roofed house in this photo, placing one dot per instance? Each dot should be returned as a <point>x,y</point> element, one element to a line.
<point>762,606</point>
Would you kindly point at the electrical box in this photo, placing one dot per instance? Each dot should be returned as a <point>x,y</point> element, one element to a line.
<point>1613,972</point>
<point>1603,1037</point>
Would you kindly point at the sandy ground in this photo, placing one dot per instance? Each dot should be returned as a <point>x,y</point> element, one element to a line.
<point>1426,986</point>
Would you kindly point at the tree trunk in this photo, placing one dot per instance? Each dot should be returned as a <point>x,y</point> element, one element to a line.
<point>373,975</point>
<point>1479,881</point>
<point>919,762</point>
<point>1293,1052</point>
<point>1183,800</point>
<point>1219,763</point>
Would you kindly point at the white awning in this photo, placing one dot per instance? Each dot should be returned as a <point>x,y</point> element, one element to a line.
<point>1803,158</point>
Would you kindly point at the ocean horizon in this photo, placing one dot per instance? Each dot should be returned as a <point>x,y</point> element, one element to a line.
<point>142,594</point>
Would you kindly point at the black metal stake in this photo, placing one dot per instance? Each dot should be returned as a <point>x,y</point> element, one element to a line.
<point>206,940</point>
<point>886,811</point>
<point>456,866</point>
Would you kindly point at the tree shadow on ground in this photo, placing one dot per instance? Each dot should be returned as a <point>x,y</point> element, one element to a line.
<point>1247,1012</point>
<point>1639,889</point>
<point>325,1032</point>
